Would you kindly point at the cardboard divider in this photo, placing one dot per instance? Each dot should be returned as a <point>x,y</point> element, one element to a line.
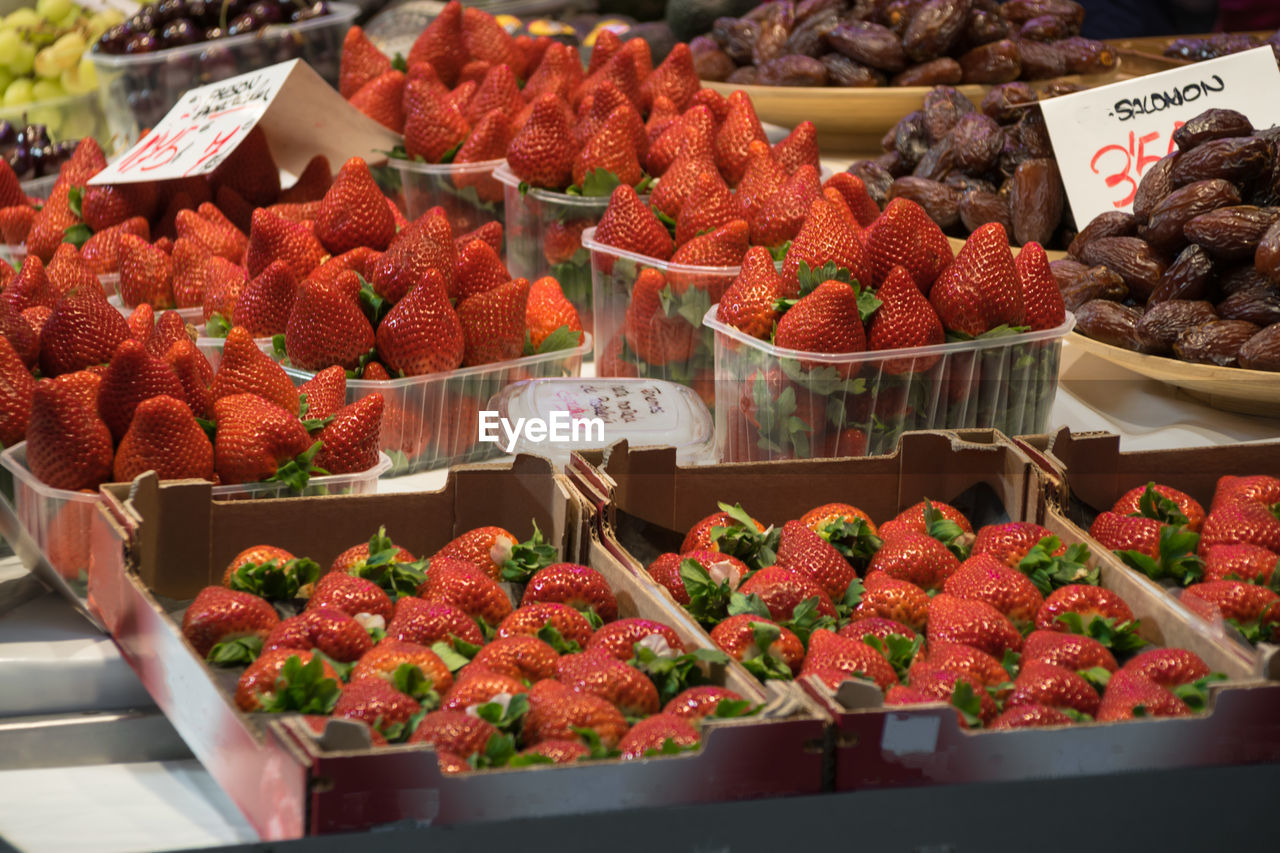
<point>156,545</point>
<point>985,475</point>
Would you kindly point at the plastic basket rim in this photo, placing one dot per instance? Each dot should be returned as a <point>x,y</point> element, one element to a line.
<point>50,103</point>
<point>116,301</point>
<point>10,460</point>
<point>589,241</point>
<point>581,350</point>
<point>504,174</point>
<point>1057,333</point>
<point>415,168</point>
<point>340,13</point>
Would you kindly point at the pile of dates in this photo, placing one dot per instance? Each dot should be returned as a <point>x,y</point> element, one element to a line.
<point>1198,49</point>
<point>1194,271</point>
<point>899,43</point>
<point>967,166</point>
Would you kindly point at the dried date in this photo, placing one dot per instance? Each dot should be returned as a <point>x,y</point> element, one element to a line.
<point>843,71</point>
<point>910,140</point>
<point>983,27</point>
<point>893,163</point>
<point>807,9</point>
<point>978,207</point>
<point>1234,279</point>
<point>1115,223</point>
<point>1164,227</point>
<point>1004,103</point>
<point>943,107</point>
<point>1132,258</point>
<point>809,36</point>
<point>1079,284</point>
<point>1060,87</point>
<point>934,28</point>
<point>1162,323</point>
<point>897,14</point>
<point>1238,160</point>
<point>1045,28</point>
<point>1153,187</point>
<point>1217,343</point>
<point>875,179</point>
<point>737,37</point>
<point>1266,258</point>
<point>964,183</point>
<point>1021,11</point>
<point>995,62</point>
<point>1259,304</point>
<point>940,72</point>
<point>1190,276</point>
<point>1035,201</point>
<point>1110,322</point>
<point>940,201</point>
<point>744,76</point>
<point>1087,56</point>
<point>976,142</point>
<point>1210,125</point>
<point>792,70</point>
<point>709,61</point>
<point>1262,351</point>
<point>937,163</point>
<point>1034,134</point>
<point>1041,61</point>
<point>869,44</point>
<point>775,29</point>
<point>1232,233</point>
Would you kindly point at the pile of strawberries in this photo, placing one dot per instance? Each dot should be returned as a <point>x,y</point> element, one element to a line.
<point>435,651</point>
<point>1227,559</point>
<point>1007,624</point>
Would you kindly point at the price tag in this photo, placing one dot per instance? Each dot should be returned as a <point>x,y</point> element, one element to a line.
<point>1106,138</point>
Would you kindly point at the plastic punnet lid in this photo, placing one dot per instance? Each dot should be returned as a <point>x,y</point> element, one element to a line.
<point>563,414</point>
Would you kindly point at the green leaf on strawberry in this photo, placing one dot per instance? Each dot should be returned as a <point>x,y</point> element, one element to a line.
<point>897,649</point>
<point>303,688</point>
<point>452,658</point>
<point>742,539</point>
<point>669,747</point>
<point>278,347</point>
<point>805,619</point>
<point>217,326</point>
<point>708,600</point>
<point>966,701</point>
<point>1076,716</point>
<point>1098,676</point>
<point>1121,638</point>
<point>409,679</point>
<point>1196,694</point>
<point>77,235</point>
<point>528,557</point>
<point>1165,510</point>
<point>750,604</point>
<point>596,750</point>
<point>762,664</point>
<point>852,597</point>
<point>1178,559</point>
<point>736,708</point>
<point>551,635</point>
<point>561,339</point>
<point>779,253</point>
<point>1011,662</point>
<point>448,156</point>
<point>396,578</point>
<point>241,651</point>
<point>504,718</point>
<point>1048,572</point>
<point>75,201</point>
<point>297,472</point>
<point>275,580</point>
<point>673,675</point>
<point>597,183</point>
<point>528,759</point>
<point>853,538</point>
<point>946,531</point>
<point>499,751</point>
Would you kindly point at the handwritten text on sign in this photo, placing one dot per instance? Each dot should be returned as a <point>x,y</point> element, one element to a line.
<point>201,130</point>
<point>1105,139</point>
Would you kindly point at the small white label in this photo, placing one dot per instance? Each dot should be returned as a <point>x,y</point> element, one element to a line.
<point>621,404</point>
<point>557,428</point>
<point>910,734</point>
<point>1106,138</point>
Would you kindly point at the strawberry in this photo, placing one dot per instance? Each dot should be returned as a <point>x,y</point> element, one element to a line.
<point>441,44</point>
<point>353,212</point>
<point>361,62</point>
<point>243,568</point>
<point>1259,487</point>
<point>708,205</point>
<point>1241,521</point>
<point>235,208</point>
<point>274,239</point>
<point>192,274</point>
<point>610,152</point>
<point>783,215</point>
<point>16,222</point>
<point>353,596</point>
<point>372,559</point>
<point>428,623</point>
<point>489,139</point>
<point>132,376</point>
<point>782,591</point>
<point>249,171</point>
<point>362,260</point>
<point>980,291</point>
<point>66,272</point>
<point>620,637</point>
<point>479,269</point>
<point>741,127</point>
<point>376,702</point>
<point>11,193</point>
<point>605,106</point>
<point>945,522</point>
<point>628,224</point>
<point>765,648</point>
<point>194,374</point>
<point>17,388</point>
<point>349,443</point>
<point>828,650</point>
<point>662,115</point>
<point>386,660</point>
<point>1044,683</point>
<point>1073,651</point>
<point>68,445</point>
<point>1168,667</point>
<point>750,302</point>
<point>1030,716</point>
<point>29,288</point>
<point>245,369</point>
<point>50,224</point>
<point>1165,504</point>
<point>690,138</point>
<point>825,320</point>
<point>456,732</point>
<point>1130,695</point>
<point>733,531</point>
<point>338,636</point>
<point>422,333</point>
<point>658,734</point>
<point>601,674</point>
<point>652,334</point>
<point>620,71</point>
<point>219,237</point>
<point>318,723</point>
<point>20,334</point>
<point>146,274</point>
<point>705,700</point>
<point>875,626</point>
<point>972,622</point>
<point>490,232</point>
<point>1155,549</point>
<point>487,548</point>
<point>1042,303</point>
<point>675,79</point>
<point>169,329</point>
<point>915,557</point>
<point>802,551</point>
<point>580,587</point>
<point>548,311</point>
<point>957,657</point>
<point>105,205</point>
<point>724,247</point>
<point>520,656</point>
<point>310,186</point>
<point>288,680</point>
<point>499,91</point>
<point>665,571</point>
<point>558,751</point>
<point>1240,562</point>
<point>467,588</point>
<point>761,181</point>
<point>825,238</point>
<point>264,305</point>
<point>573,629</point>
<point>985,578</point>
<point>974,706</point>
<point>558,74</point>
<point>326,326</point>
<point>557,713</point>
<point>476,686</point>
<point>142,321</point>
<point>904,319</point>
<point>1251,609</point>
<point>326,392</point>
<point>799,148</point>
<point>1089,610</point>
<point>34,318</point>
<point>905,236</point>
<point>542,153</point>
<point>221,615</point>
<point>486,39</point>
<point>164,437</point>
<point>493,323</point>
<point>1011,542</point>
<point>255,439</point>
<point>855,195</point>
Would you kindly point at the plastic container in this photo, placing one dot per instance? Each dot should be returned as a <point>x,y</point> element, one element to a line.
<point>138,90</point>
<point>433,421</point>
<point>13,254</point>
<point>58,519</point>
<point>544,230</point>
<point>775,403</point>
<point>645,412</point>
<point>40,188</point>
<point>188,315</point>
<point>68,117</point>
<point>671,342</point>
<point>212,347</point>
<point>468,192</point>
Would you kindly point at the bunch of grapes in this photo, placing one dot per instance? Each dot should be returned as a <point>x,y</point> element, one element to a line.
<point>43,51</point>
<point>175,23</point>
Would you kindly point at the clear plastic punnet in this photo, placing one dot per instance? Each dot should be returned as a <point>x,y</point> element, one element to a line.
<point>468,192</point>
<point>433,421</point>
<point>775,403</point>
<point>588,414</point>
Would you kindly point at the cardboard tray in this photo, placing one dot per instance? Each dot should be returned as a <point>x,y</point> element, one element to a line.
<point>156,544</point>
<point>646,503</point>
<point>1089,472</point>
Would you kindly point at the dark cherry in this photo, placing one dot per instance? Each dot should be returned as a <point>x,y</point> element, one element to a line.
<point>245,23</point>
<point>267,13</point>
<point>141,43</point>
<point>169,10</point>
<point>179,32</point>
<point>214,33</point>
<point>8,133</point>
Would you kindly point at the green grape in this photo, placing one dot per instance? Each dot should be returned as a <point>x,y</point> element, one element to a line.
<point>67,50</point>
<point>24,18</point>
<point>47,90</point>
<point>81,79</point>
<point>53,10</point>
<point>19,93</point>
<point>100,22</point>
<point>5,79</point>
<point>46,64</point>
<point>50,117</point>
<point>10,43</point>
<point>24,59</point>
<point>77,123</point>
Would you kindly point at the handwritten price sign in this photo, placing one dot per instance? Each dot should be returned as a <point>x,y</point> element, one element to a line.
<point>200,131</point>
<point>1105,139</point>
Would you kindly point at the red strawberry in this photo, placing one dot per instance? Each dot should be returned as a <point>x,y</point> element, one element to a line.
<point>724,247</point>
<point>875,626</point>
<point>193,278</point>
<point>489,139</point>
<point>22,331</point>
<point>1030,716</point>
<point>985,578</point>
<point>219,615</point>
<point>765,648</point>
<point>1089,602</point>
<point>146,274</point>
<point>1253,610</point>
<point>326,392</point>
<point>385,659</point>
<point>741,127</point>
<point>486,39</point>
<point>487,548</point>
<point>782,590</point>
<point>691,137</point>
<point>944,685</point>
<point>67,272</point>
<point>621,71</point>
<point>141,323</point>
<point>1073,651</point>
<point>1131,694</point>
<point>195,375</point>
<point>980,290</point>
<point>972,622</point>
<point>1240,521</point>
<point>250,171</point>
<point>662,115</point>
<point>425,245</point>
<point>702,701</point>
<point>264,305</point>
<point>521,657</point>
<point>652,334</point>
<point>1044,683</point>
<point>361,62</point>
<point>890,598</point>
<point>467,588</point>
<point>219,237</point>
<point>825,238</point>
<point>16,222</point>
<point>431,622</point>
<point>1011,542</point>
<point>68,445</point>
<point>500,91</point>
<point>805,552</point>
<point>653,735</point>
<point>245,369</point>
<point>441,44</point>
<point>1245,562</point>
<point>904,319</point>
<point>51,223</point>
<point>783,215</point>
<point>350,441</point>
<point>558,74</point>
<point>11,193</point>
<point>611,150</point>
<point>476,686</point>
<point>479,269</point>
<point>353,596</point>
<point>905,236</point>
<point>376,702</point>
<point>915,557</point>
<point>556,713</point>
<point>493,324</point>
<point>530,619</point>
<point>799,148</point>
<point>326,325</point>
<point>542,152</point>
<point>750,302</point>
<point>828,650</point>
<point>620,637</point>
<point>548,310</point>
<point>825,320</point>
<point>601,674</point>
<point>456,732</point>
<point>957,657</point>
<point>310,186</point>
<point>282,680</point>
<point>16,391</point>
<point>353,212</point>
<point>708,206</point>
<point>255,438</point>
<point>169,329</point>
<point>29,288</point>
<point>274,239</point>
<point>163,436</point>
<point>1168,667</point>
<point>675,78</point>
<point>356,559</point>
<point>628,224</point>
<point>1131,503</point>
<point>581,587</point>
<point>1259,487</point>
<point>490,232</point>
<point>1043,307</point>
<point>105,205</point>
<point>382,99</point>
<point>339,636</point>
<point>609,106</point>
<point>855,195</point>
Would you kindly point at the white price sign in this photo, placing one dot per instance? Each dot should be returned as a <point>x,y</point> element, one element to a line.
<point>1106,138</point>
